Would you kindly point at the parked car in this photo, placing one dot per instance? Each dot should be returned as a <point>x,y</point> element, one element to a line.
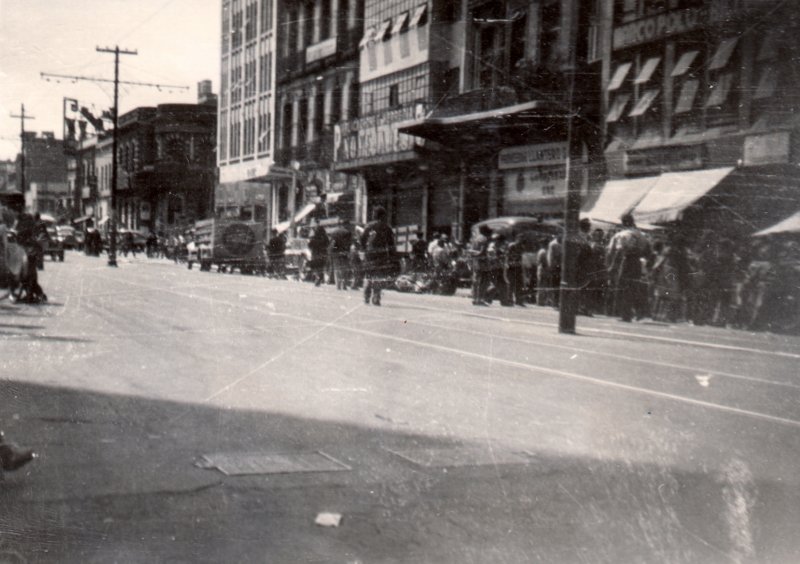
<point>298,257</point>
<point>66,235</point>
<point>534,232</point>
<point>139,239</point>
<point>53,246</point>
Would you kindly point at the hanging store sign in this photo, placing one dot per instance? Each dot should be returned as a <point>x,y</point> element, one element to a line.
<point>659,26</point>
<point>373,136</point>
<point>533,155</point>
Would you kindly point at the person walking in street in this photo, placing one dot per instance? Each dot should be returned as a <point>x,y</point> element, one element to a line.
<point>29,237</point>
<point>554,269</point>
<point>515,281</point>
<point>276,254</point>
<point>480,275</point>
<point>625,253</point>
<point>377,240</point>
<point>542,275</point>
<point>318,245</point>
<point>670,279</point>
<point>341,239</point>
<point>496,258</point>
<point>419,254</point>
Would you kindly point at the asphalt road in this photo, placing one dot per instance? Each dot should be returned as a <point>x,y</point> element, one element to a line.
<point>438,431</point>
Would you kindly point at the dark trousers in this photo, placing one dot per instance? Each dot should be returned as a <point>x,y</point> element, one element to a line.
<point>341,267</point>
<point>516,285</point>
<point>480,282</point>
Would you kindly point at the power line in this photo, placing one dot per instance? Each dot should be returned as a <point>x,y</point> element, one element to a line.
<point>48,75</point>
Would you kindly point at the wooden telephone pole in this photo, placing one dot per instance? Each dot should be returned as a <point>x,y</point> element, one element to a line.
<point>22,117</point>
<point>112,214</point>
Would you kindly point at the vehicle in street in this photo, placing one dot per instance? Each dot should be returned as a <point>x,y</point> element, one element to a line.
<point>139,238</point>
<point>535,232</point>
<point>298,257</point>
<point>52,245</point>
<point>66,235</point>
<point>229,244</point>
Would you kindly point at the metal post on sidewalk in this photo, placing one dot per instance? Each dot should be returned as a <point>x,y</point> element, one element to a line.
<point>569,299</point>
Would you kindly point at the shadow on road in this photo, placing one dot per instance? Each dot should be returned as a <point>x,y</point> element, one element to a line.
<point>116,481</point>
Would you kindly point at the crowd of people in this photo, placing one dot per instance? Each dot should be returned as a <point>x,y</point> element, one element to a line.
<point>669,276</point>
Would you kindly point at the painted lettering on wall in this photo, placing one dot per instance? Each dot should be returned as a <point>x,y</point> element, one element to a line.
<point>659,27</point>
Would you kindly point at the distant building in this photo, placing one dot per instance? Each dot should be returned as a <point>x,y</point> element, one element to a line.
<point>10,194</point>
<point>46,189</point>
<point>245,146</point>
<point>165,166</point>
<point>317,87</point>
<point>701,94</point>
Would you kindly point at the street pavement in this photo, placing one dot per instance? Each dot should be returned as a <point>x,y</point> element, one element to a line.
<point>440,432</point>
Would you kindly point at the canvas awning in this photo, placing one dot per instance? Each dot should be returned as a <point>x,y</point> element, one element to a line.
<point>298,217</point>
<point>673,192</point>
<point>789,225</point>
<point>619,197</point>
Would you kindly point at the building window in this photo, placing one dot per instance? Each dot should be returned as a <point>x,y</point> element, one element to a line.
<point>722,103</point>
<point>394,95</point>
<point>266,16</point>
<point>319,114</point>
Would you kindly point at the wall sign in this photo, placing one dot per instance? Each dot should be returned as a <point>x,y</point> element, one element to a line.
<point>658,27</point>
<point>373,135</point>
<point>321,50</point>
<point>767,149</point>
<point>533,155</point>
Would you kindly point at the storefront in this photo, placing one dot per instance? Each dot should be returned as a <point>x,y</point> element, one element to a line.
<point>395,173</point>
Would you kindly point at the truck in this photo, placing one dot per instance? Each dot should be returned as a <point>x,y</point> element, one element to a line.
<point>228,244</point>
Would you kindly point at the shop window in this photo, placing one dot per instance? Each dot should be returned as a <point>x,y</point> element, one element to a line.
<point>488,45</point>
<point>550,30</point>
<point>325,32</point>
<point>319,115</point>
<point>302,122</point>
<point>286,126</point>
<point>394,95</point>
<point>519,28</point>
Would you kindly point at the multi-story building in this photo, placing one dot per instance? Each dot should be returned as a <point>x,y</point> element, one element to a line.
<point>10,194</point>
<point>46,189</point>
<point>165,166</point>
<point>317,81</point>
<point>464,108</point>
<point>700,106</point>
<point>245,137</point>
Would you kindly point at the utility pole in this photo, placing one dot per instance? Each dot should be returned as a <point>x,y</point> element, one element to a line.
<point>112,217</point>
<point>569,298</point>
<point>22,117</point>
<point>112,242</point>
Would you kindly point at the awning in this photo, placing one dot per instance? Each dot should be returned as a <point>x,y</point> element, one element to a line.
<point>720,90</point>
<point>723,53</point>
<point>418,18</point>
<point>298,218</point>
<point>83,219</point>
<point>400,23</point>
<point>687,96</point>
<point>467,129</point>
<point>46,217</point>
<point>789,225</point>
<point>674,192</point>
<point>644,102</point>
<point>619,76</point>
<point>684,63</point>
<point>619,197</point>
<point>647,70</point>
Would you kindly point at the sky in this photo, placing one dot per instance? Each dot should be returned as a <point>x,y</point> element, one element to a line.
<point>177,43</point>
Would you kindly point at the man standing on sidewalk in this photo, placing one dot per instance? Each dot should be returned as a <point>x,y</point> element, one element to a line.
<point>339,253</point>
<point>378,242</point>
<point>478,248</point>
